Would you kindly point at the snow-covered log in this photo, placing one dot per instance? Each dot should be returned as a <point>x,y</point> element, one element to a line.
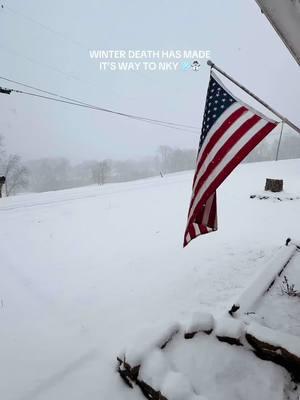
<point>281,348</point>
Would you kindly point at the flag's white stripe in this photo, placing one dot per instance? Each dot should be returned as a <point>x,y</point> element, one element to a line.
<point>197,230</point>
<point>230,110</point>
<point>208,206</point>
<point>220,143</point>
<point>188,237</point>
<point>229,156</point>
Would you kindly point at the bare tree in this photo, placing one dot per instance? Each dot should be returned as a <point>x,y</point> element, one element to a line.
<point>164,153</point>
<point>101,172</point>
<point>16,174</point>
<point>50,174</point>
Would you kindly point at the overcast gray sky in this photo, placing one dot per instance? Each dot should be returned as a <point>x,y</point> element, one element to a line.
<point>239,37</point>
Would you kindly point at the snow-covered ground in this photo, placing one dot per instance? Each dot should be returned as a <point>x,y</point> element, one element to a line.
<point>84,270</point>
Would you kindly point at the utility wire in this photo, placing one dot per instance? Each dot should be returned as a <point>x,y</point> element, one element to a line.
<point>55,69</point>
<point>48,28</point>
<point>147,120</point>
<point>65,36</point>
<point>72,101</point>
<point>44,65</point>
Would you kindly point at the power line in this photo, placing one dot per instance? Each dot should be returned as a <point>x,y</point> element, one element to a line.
<point>48,66</point>
<point>44,26</point>
<point>55,69</point>
<point>44,65</point>
<point>51,30</point>
<point>190,127</point>
<point>71,101</point>
<point>165,124</point>
<point>147,120</point>
<point>65,36</point>
<point>39,90</point>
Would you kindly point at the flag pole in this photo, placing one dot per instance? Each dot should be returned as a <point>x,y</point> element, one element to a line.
<point>279,141</point>
<point>284,119</point>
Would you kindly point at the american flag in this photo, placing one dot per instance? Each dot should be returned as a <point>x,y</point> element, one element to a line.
<point>230,130</point>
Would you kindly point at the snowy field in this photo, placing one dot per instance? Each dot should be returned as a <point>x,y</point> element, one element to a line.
<point>84,270</point>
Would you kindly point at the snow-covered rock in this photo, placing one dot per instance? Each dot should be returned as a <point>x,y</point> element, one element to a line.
<point>148,339</point>
<point>229,327</point>
<point>199,322</point>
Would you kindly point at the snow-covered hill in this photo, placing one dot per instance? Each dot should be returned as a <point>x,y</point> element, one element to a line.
<point>83,270</point>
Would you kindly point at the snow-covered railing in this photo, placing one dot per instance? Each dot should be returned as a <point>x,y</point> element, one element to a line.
<point>264,280</point>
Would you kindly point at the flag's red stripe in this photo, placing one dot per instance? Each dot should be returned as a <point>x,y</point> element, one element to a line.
<point>203,229</point>
<point>200,215</point>
<point>233,163</point>
<point>234,138</point>
<point>218,134</point>
<point>220,178</point>
<point>213,212</point>
<point>203,216</point>
<point>244,151</point>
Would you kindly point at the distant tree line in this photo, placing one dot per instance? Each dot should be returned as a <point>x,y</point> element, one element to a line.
<point>266,150</point>
<point>47,174</point>
<point>58,173</point>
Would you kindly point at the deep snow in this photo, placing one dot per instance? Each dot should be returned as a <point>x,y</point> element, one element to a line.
<point>83,270</point>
